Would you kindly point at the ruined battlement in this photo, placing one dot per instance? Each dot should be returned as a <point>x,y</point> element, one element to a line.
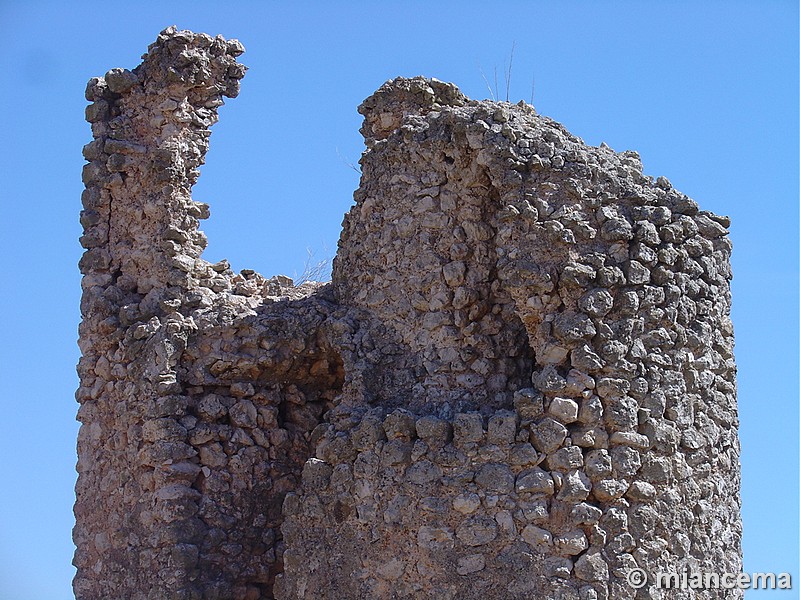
<point>519,382</point>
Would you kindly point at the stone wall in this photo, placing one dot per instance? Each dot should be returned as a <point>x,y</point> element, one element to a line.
<point>520,382</point>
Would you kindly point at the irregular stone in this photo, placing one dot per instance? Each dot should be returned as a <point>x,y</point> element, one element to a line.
<point>316,474</point>
<point>628,438</point>
<point>467,428</point>
<point>400,425</point>
<point>506,523</point>
<point>585,359</point>
<point>591,410</point>
<point>495,477</point>
<point>641,491</point>
<point>368,433</point>
<point>477,531</point>
<point>608,490</point>
<point>528,404</point>
<point>523,455</point>
<point>598,463</point>
<point>549,380</point>
<point>210,408</point>
<point>471,564</point>
<point>575,488</point>
<point>435,432</point>
<point>539,539</point>
<point>573,329</point>
<point>423,472</point>
<point>397,509</point>
<point>610,388</point>
<point>591,567</point>
<point>565,459</point>
<point>120,81</point>
<point>534,481</point>
<point>621,414</point>
<point>570,543</point>
<point>395,452</point>
<point>502,428</point>
<point>589,437</point>
<point>466,503</point>
<point>547,435</point>
<point>585,514</point>
<point>434,505</point>
<point>391,570</point>
<point>434,538</point>
<point>626,461</point>
<point>596,303</point>
<point>558,566</point>
<point>244,414</point>
<point>563,409</point>
<point>454,273</point>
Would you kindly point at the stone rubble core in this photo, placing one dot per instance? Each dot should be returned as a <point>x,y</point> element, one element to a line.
<point>519,384</point>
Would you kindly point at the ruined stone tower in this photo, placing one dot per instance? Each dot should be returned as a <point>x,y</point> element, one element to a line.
<point>519,384</point>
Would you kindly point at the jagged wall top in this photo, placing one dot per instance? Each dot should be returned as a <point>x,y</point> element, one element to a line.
<point>151,134</point>
<point>384,110</point>
<point>475,231</point>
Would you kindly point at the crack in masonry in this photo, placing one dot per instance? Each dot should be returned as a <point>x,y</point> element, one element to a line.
<point>108,228</point>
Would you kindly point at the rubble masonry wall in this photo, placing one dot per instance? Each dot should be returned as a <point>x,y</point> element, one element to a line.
<point>520,382</point>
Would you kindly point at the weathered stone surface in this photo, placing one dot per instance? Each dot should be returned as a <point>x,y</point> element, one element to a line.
<point>519,383</point>
<point>495,477</point>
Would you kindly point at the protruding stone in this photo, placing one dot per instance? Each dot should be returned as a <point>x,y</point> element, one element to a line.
<point>120,81</point>
<point>534,481</point>
<point>563,409</point>
<point>547,435</point>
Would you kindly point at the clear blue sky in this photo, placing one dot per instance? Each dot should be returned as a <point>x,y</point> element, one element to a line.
<point>707,92</point>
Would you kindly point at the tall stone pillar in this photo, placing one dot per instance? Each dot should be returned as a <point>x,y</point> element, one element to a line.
<point>137,528</point>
